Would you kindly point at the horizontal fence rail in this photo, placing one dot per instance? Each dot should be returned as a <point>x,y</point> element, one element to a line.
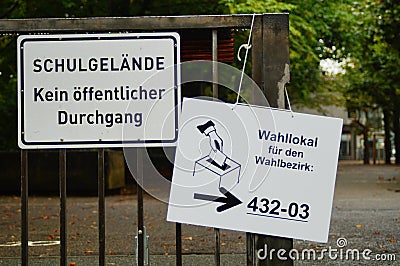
<point>128,23</point>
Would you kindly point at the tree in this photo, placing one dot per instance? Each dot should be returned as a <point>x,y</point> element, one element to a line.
<point>374,60</point>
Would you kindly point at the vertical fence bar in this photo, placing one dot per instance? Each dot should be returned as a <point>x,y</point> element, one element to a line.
<point>63,205</point>
<point>257,56</point>
<point>140,236</point>
<point>217,252</point>
<point>215,65</point>
<point>178,239</point>
<point>214,38</point>
<point>250,249</point>
<point>24,207</point>
<point>101,207</point>
<point>257,75</point>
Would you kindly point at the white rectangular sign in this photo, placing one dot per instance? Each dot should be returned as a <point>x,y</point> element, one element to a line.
<point>98,90</point>
<point>255,169</point>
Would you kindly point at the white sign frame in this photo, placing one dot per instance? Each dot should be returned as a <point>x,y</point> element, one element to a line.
<point>157,118</point>
<point>280,174</point>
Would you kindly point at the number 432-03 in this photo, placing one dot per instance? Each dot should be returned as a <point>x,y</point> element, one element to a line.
<point>274,207</point>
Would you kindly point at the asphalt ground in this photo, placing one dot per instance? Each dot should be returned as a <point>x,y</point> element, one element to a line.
<point>366,213</point>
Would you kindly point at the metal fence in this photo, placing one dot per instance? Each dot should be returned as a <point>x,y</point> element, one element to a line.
<point>270,57</point>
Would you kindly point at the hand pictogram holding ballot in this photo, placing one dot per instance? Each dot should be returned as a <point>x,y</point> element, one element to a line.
<point>216,143</point>
<point>209,130</point>
<point>216,162</point>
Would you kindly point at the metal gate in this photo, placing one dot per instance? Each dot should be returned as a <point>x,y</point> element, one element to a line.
<point>270,59</point>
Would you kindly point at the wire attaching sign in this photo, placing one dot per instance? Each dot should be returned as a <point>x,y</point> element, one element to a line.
<point>98,90</point>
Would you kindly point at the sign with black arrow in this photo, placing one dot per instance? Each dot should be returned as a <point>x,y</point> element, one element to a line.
<point>229,199</point>
<point>255,169</point>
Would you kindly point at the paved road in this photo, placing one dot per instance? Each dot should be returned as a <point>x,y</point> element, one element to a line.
<point>366,213</point>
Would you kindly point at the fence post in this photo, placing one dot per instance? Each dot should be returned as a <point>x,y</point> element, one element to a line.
<point>270,55</point>
<point>250,249</point>
<point>214,48</point>
<point>140,228</point>
<point>101,207</point>
<point>63,206</point>
<point>24,207</point>
<point>178,239</point>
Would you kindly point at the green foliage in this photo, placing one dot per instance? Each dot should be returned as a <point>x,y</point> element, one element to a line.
<point>8,95</point>
<point>12,8</point>
<point>255,6</point>
<point>362,35</point>
<point>181,7</point>
<point>375,55</point>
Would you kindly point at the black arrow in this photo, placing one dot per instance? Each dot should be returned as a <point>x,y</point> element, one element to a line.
<point>230,200</point>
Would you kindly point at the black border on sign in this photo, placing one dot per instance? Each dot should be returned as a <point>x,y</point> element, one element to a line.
<point>86,144</point>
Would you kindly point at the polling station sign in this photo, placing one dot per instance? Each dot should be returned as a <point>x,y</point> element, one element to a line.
<point>255,169</point>
<point>98,90</point>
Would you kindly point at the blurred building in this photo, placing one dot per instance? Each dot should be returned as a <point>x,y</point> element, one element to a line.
<point>352,142</point>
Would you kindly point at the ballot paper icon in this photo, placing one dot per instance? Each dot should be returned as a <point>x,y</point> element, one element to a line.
<point>216,162</point>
